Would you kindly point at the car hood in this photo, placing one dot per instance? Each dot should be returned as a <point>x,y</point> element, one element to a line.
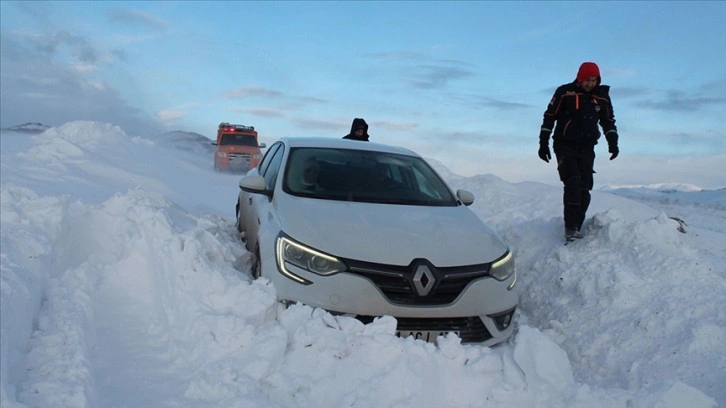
<point>391,234</point>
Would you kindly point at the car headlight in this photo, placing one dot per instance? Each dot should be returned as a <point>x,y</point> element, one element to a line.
<point>503,267</point>
<point>221,154</point>
<point>291,252</point>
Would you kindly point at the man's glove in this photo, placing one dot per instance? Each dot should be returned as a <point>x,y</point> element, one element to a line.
<point>612,138</point>
<point>613,149</point>
<point>544,152</point>
<point>544,145</point>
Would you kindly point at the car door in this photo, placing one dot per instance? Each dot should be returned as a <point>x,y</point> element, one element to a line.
<point>259,203</point>
<point>248,213</point>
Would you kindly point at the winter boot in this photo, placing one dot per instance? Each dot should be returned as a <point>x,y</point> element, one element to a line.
<point>572,234</point>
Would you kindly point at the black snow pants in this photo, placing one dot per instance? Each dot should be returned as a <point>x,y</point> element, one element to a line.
<point>575,167</point>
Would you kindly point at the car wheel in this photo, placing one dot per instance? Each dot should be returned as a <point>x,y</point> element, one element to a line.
<point>257,266</point>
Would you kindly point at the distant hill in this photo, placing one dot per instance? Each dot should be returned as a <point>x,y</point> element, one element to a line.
<point>673,193</point>
<point>29,127</point>
<point>188,141</point>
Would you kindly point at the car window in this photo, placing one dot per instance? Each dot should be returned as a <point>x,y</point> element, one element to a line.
<point>363,175</point>
<point>273,168</point>
<point>262,167</point>
<point>237,139</point>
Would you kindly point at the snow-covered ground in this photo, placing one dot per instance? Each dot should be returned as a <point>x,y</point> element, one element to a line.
<point>124,285</point>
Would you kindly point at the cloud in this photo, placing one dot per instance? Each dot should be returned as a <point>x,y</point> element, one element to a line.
<point>629,92</point>
<point>304,123</point>
<point>252,91</point>
<point>264,112</point>
<point>618,73</point>
<point>39,11</point>
<point>488,102</point>
<point>393,126</point>
<point>465,139</point>
<point>168,116</point>
<point>689,142</point>
<point>51,79</point>
<point>137,18</point>
<point>442,47</point>
<point>436,76</point>
<point>119,54</point>
<point>285,103</point>
<point>417,56</point>
<point>715,86</point>
<point>680,101</point>
<point>171,115</point>
<point>398,56</point>
<point>308,100</point>
<point>430,72</point>
<point>63,45</point>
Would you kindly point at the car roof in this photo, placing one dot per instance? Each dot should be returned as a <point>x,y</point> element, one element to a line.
<point>329,142</point>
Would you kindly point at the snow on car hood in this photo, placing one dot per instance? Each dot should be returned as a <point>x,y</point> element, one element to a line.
<point>390,234</point>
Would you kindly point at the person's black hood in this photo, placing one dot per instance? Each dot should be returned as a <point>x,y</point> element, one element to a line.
<point>358,123</point>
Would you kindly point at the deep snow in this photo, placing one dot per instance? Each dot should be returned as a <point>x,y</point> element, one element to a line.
<point>124,285</point>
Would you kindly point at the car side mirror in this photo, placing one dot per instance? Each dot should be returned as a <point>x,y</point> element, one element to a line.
<point>214,143</point>
<point>254,184</point>
<point>263,145</point>
<point>465,197</point>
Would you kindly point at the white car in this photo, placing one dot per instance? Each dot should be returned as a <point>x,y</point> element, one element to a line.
<point>365,229</point>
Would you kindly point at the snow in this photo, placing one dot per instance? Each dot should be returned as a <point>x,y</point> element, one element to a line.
<point>124,285</point>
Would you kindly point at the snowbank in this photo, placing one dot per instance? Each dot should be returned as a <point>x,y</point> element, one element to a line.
<point>123,284</point>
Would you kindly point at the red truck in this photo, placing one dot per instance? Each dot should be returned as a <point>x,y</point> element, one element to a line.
<point>238,148</point>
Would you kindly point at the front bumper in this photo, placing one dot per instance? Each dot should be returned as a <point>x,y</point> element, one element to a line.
<point>480,309</point>
<point>235,162</point>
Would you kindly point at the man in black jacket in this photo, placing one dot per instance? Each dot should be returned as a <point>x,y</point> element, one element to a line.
<point>578,108</point>
<point>358,130</point>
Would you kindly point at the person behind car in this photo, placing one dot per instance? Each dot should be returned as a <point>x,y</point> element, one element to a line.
<point>578,108</point>
<point>358,130</point>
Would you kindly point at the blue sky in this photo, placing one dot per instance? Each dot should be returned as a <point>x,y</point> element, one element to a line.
<point>463,82</point>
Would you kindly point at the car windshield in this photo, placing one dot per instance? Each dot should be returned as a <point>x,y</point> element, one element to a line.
<point>366,176</point>
<point>238,140</point>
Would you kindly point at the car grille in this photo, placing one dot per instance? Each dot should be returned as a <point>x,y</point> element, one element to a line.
<point>239,159</point>
<point>397,285</point>
<point>471,329</point>
<point>239,156</point>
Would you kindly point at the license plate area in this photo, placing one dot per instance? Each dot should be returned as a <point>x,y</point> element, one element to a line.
<point>425,335</point>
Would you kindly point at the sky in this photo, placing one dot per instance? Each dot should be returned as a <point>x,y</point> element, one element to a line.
<point>123,283</point>
<point>467,82</point>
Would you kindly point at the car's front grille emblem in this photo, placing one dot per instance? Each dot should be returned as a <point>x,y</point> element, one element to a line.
<point>409,285</point>
<point>423,280</point>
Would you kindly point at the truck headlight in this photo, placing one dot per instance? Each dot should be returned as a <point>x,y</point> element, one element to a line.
<point>290,252</point>
<point>221,154</point>
<point>503,267</point>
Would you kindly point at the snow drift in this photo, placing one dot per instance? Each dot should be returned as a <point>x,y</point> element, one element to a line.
<point>123,283</point>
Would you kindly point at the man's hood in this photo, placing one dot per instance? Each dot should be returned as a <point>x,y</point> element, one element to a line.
<point>357,124</point>
<point>587,70</point>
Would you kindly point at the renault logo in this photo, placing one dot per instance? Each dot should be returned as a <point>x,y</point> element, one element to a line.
<point>423,280</point>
